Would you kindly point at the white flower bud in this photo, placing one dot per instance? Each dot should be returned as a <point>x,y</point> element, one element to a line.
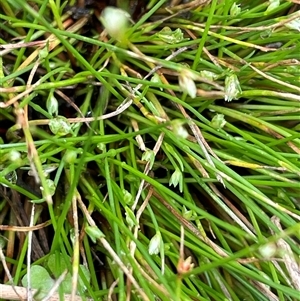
<point>155,243</point>
<point>178,129</point>
<point>149,156</point>
<point>115,21</point>
<point>268,250</point>
<point>14,155</point>
<point>52,105</point>
<point>187,83</point>
<point>208,75</point>
<point>130,218</point>
<point>232,87</point>
<point>176,179</point>
<point>273,4</point>
<point>185,266</point>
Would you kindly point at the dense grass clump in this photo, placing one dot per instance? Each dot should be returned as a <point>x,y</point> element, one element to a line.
<point>149,150</point>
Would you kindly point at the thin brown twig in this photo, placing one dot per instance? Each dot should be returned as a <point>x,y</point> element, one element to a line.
<point>25,229</point>
<point>273,79</point>
<point>111,289</point>
<point>9,47</point>
<point>72,104</point>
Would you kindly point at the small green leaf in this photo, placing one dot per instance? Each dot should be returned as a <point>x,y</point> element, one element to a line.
<point>190,215</point>
<point>128,198</point>
<point>235,9</point>
<point>101,146</point>
<point>131,179</point>
<point>86,274</point>
<point>156,79</point>
<point>130,217</point>
<point>177,178</point>
<point>47,169</point>
<point>12,177</point>
<point>169,36</point>
<point>43,53</point>
<point>208,75</point>
<point>57,268</point>
<point>172,152</point>
<point>70,156</point>
<point>149,156</point>
<point>51,186</point>
<point>218,121</point>
<point>39,280</point>
<point>94,233</point>
<point>60,126</point>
